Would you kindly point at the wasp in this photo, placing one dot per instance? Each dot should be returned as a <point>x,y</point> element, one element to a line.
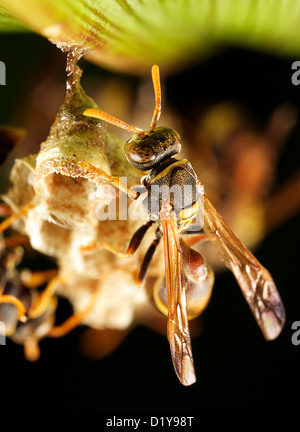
<point>153,152</point>
<point>16,300</point>
<point>27,313</point>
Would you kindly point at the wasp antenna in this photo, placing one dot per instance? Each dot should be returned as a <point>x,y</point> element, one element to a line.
<point>101,115</point>
<point>157,93</point>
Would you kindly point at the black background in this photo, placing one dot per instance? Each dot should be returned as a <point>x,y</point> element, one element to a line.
<point>236,369</point>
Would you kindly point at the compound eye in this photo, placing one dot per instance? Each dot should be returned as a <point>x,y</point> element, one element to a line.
<point>139,154</point>
<point>144,153</point>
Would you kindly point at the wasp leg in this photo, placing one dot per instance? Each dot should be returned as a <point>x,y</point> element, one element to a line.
<point>147,260</point>
<point>73,321</point>
<point>134,243</point>
<point>18,215</point>
<point>115,181</point>
<point>45,298</point>
<point>194,239</point>
<point>31,349</point>
<point>38,278</point>
<point>16,302</point>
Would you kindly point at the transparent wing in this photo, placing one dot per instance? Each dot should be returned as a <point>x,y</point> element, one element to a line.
<point>178,329</point>
<point>255,281</point>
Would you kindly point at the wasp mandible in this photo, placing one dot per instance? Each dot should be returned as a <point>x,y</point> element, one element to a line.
<point>153,152</point>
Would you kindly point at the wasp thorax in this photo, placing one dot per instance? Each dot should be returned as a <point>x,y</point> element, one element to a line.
<point>144,153</point>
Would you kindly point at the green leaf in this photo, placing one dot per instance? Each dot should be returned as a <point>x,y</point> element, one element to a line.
<point>131,35</point>
<point>8,24</point>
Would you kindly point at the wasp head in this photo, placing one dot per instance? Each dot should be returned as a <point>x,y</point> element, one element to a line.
<point>148,151</point>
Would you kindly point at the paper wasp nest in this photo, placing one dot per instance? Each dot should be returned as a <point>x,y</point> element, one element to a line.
<point>67,201</point>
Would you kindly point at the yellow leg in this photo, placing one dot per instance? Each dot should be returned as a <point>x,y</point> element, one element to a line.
<point>195,239</point>
<point>73,321</point>
<point>45,298</point>
<point>18,215</point>
<point>16,302</point>
<point>31,349</point>
<point>38,278</point>
<point>108,247</point>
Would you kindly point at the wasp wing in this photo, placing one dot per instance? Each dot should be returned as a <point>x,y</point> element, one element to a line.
<point>178,329</point>
<point>255,281</point>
